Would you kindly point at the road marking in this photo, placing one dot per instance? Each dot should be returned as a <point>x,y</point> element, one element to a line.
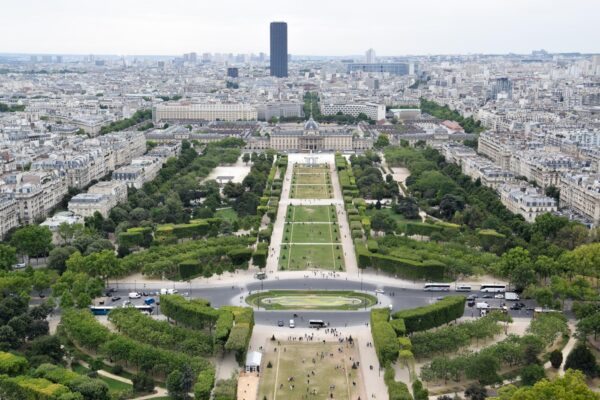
<point>276,376</point>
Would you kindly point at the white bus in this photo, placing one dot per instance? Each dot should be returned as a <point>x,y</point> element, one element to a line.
<point>492,288</point>
<point>437,287</point>
<point>463,288</point>
<point>316,323</point>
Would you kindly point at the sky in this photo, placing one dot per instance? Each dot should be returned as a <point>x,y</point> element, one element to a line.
<point>315,27</point>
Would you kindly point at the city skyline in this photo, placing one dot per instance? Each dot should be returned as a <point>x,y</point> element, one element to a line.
<point>463,27</point>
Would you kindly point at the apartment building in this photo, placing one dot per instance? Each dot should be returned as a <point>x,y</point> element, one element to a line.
<point>86,204</point>
<point>9,214</point>
<point>279,110</point>
<point>581,193</point>
<point>374,111</point>
<point>140,171</point>
<point>526,200</point>
<point>193,112</point>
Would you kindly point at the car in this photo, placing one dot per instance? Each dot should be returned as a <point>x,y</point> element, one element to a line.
<point>499,296</point>
<point>19,266</point>
<point>515,307</point>
<point>380,291</point>
<point>439,298</point>
<point>126,303</point>
<point>150,300</point>
<point>280,323</point>
<point>135,295</point>
<point>472,297</point>
<point>487,296</point>
<point>292,323</point>
<point>115,298</point>
<point>471,303</point>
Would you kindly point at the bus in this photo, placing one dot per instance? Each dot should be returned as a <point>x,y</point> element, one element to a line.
<point>436,287</point>
<point>104,310</point>
<point>463,288</point>
<point>492,288</point>
<point>316,323</point>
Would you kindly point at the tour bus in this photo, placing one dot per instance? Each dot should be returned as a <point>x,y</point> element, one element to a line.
<point>493,288</point>
<point>436,287</point>
<point>463,288</point>
<point>316,323</point>
<point>104,310</point>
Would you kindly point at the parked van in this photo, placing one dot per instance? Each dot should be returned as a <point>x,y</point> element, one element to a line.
<point>168,291</point>
<point>292,323</point>
<point>134,295</point>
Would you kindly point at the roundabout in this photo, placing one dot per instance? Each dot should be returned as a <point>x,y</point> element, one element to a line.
<point>343,300</point>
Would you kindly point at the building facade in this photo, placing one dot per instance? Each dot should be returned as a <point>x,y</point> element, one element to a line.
<point>193,112</point>
<point>279,50</point>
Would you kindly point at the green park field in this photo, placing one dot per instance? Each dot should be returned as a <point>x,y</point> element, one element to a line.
<point>300,372</point>
<point>311,300</point>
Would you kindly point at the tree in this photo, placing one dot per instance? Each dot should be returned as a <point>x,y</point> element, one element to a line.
<point>246,158</point>
<point>174,385</point>
<point>476,392</point>
<point>381,221</point>
<point>582,359</point>
<point>571,386</point>
<point>451,204</point>
<point>484,368</point>
<point>8,257</point>
<point>142,382</point>
<point>42,280</point>
<point>58,257</point>
<point>516,265</point>
<point>407,207</point>
<point>8,338</point>
<point>530,374</point>
<point>589,325</point>
<point>556,358</point>
<point>382,141</point>
<point>32,240</point>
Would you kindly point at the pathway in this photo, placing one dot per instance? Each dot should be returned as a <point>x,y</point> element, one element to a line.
<point>566,350</point>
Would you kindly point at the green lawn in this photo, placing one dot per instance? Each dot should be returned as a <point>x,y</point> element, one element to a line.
<point>299,257</point>
<point>311,192</point>
<point>311,214</point>
<point>311,233</point>
<point>113,384</point>
<point>228,214</point>
<point>311,373</point>
<point>311,178</point>
<point>311,300</point>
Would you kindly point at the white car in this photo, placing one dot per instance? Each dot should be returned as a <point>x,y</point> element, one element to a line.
<point>499,296</point>
<point>380,291</point>
<point>135,295</point>
<point>19,266</point>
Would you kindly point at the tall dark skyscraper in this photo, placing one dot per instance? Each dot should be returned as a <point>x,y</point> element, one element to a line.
<point>279,49</point>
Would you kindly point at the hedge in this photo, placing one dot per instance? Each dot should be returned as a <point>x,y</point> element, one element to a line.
<point>240,334</point>
<point>372,245</point>
<point>419,228</point>
<point>396,390</point>
<point>223,327</point>
<point>189,269</point>
<point>399,326</point>
<point>11,364</point>
<point>141,237</point>
<point>196,313</point>
<point>259,257</point>
<point>89,388</point>
<point>27,388</point>
<point>431,316</point>
<point>240,256</point>
<point>384,337</point>
<point>204,384</point>
<point>403,268</point>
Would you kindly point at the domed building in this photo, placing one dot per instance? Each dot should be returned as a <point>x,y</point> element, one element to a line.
<point>313,137</point>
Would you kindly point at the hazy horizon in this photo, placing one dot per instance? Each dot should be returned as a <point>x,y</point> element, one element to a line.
<point>333,28</point>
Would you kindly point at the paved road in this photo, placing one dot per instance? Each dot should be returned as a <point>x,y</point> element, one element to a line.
<point>400,298</point>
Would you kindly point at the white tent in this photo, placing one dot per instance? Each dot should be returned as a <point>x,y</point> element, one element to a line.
<point>253,360</point>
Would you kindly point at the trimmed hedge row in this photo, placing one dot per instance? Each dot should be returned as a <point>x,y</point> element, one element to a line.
<point>27,388</point>
<point>396,390</point>
<point>259,257</point>
<point>204,384</point>
<point>433,315</point>
<point>196,313</point>
<point>384,336</point>
<point>403,268</point>
<point>241,332</point>
<point>11,364</point>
